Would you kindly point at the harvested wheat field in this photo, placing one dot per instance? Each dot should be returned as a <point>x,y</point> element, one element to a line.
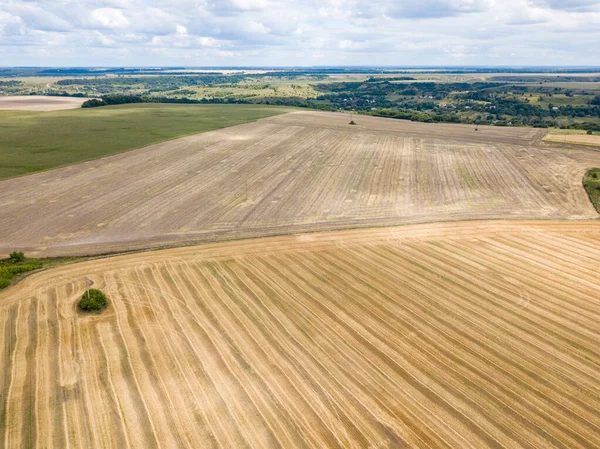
<point>573,139</point>
<point>296,172</point>
<point>465,335</point>
<point>39,103</point>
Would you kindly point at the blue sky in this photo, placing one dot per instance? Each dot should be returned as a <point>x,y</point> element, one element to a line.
<point>300,32</point>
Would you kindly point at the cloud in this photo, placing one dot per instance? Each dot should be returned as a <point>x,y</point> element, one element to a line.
<point>436,8</point>
<point>37,18</point>
<point>108,18</point>
<point>568,5</point>
<point>348,44</point>
<point>299,32</point>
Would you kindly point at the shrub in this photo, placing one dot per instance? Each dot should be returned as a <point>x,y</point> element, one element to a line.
<point>93,300</point>
<point>352,122</point>
<point>15,265</point>
<point>15,269</point>
<point>591,182</point>
<point>16,257</point>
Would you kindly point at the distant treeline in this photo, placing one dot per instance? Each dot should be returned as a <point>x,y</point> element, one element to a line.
<point>110,100</point>
<point>11,83</point>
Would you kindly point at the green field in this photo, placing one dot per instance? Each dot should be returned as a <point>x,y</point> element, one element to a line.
<point>36,141</point>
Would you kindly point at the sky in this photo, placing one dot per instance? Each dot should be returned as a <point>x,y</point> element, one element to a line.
<point>299,32</point>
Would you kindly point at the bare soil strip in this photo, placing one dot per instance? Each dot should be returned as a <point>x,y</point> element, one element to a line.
<point>298,172</point>
<point>448,335</point>
<point>39,103</point>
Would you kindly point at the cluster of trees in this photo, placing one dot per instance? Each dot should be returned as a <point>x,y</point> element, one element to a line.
<point>157,83</point>
<point>113,100</point>
<point>418,116</point>
<point>93,300</point>
<point>10,83</point>
<point>110,100</point>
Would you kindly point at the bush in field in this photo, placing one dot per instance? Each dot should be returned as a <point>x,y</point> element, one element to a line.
<point>16,257</point>
<point>93,300</point>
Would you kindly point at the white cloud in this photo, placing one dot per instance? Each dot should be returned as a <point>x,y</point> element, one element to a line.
<point>108,18</point>
<point>348,44</point>
<point>568,5</point>
<point>299,32</point>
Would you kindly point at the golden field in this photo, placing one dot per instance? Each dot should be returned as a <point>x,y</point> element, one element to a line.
<point>471,335</point>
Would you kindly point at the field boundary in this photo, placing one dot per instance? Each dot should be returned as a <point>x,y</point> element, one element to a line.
<point>323,233</point>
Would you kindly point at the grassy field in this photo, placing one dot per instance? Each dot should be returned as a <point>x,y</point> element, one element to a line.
<point>471,335</point>
<point>36,141</point>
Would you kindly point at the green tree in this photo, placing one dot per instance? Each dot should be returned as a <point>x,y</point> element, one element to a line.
<point>93,300</point>
<point>16,257</point>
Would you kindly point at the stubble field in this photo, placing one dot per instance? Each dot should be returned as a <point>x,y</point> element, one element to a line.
<point>473,335</point>
<point>39,103</point>
<point>304,171</point>
<point>574,139</point>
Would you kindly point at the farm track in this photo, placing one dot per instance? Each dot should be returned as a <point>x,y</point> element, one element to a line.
<point>446,335</point>
<point>292,173</point>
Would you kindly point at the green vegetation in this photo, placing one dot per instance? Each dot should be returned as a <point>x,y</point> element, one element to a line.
<point>111,100</point>
<point>36,141</point>
<point>591,182</point>
<point>93,300</point>
<point>478,102</point>
<point>17,264</point>
<point>16,257</point>
<point>14,266</point>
